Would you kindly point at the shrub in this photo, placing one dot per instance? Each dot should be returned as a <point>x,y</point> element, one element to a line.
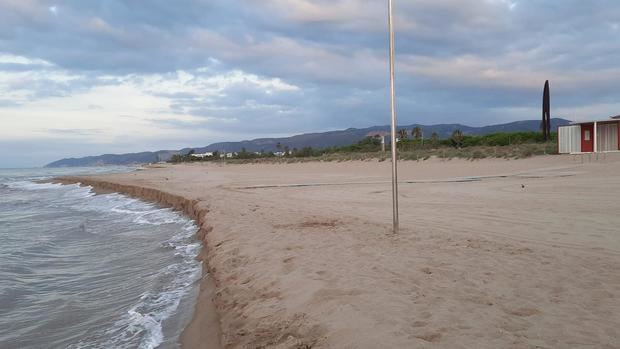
<point>478,155</point>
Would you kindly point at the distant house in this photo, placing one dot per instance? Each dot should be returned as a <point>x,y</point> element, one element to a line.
<point>202,156</point>
<point>381,135</point>
<point>378,134</point>
<point>596,136</point>
<point>279,153</point>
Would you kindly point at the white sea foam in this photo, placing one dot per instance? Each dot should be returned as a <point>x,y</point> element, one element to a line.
<point>142,213</point>
<point>147,215</point>
<point>30,185</point>
<point>145,318</point>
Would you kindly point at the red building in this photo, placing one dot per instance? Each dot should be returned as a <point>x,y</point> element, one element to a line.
<point>590,137</point>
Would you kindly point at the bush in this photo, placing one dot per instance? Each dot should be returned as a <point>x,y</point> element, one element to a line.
<point>367,145</point>
<point>478,155</point>
<point>505,139</point>
<point>527,152</point>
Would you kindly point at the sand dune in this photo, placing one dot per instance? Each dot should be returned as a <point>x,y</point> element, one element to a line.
<point>521,254</point>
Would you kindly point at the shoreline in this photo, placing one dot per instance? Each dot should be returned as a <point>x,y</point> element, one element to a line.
<point>204,329</point>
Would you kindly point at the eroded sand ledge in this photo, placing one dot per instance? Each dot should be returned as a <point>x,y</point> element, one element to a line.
<point>512,261</point>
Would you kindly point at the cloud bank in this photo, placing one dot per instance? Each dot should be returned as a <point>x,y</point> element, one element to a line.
<point>78,77</point>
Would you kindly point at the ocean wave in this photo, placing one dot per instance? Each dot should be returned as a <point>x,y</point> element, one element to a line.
<point>74,195</point>
<point>143,321</point>
<point>137,211</point>
<point>140,324</point>
<point>145,215</point>
<point>31,185</point>
<point>157,221</point>
<point>141,212</point>
<point>75,191</point>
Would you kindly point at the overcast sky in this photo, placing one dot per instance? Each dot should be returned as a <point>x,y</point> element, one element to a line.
<point>89,77</point>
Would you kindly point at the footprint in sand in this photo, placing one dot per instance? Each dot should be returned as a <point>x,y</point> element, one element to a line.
<point>289,265</point>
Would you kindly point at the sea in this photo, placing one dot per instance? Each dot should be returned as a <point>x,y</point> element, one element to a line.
<point>82,270</point>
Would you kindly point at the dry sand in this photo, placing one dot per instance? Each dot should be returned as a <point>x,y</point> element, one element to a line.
<point>527,256</point>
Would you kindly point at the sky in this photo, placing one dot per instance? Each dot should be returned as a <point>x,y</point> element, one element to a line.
<point>82,78</point>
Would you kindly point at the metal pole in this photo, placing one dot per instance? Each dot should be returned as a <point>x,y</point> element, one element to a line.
<point>393,109</point>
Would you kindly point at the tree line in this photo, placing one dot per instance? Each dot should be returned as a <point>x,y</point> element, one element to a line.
<point>372,144</point>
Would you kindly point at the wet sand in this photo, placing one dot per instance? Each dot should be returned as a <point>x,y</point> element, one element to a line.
<point>491,253</point>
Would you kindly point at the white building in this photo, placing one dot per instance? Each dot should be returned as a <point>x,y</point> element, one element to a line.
<point>202,156</point>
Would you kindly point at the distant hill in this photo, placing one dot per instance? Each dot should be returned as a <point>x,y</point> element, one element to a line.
<point>116,159</point>
<point>315,140</point>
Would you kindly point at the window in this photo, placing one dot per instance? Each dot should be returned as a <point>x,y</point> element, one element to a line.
<point>586,135</point>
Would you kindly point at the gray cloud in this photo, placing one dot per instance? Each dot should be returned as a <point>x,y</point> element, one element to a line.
<point>75,132</point>
<point>467,61</point>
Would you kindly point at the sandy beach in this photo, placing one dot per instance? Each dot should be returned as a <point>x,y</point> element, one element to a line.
<point>491,253</point>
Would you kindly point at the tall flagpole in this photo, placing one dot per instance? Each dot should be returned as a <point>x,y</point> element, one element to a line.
<point>393,107</point>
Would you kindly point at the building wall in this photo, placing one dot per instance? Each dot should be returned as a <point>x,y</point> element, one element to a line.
<point>607,136</point>
<point>569,139</point>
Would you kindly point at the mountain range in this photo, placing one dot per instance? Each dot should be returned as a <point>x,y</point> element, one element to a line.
<point>315,140</point>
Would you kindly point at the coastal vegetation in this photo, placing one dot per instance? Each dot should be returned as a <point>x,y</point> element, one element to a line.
<point>506,145</point>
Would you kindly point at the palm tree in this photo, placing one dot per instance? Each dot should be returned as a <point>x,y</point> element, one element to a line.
<point>434,139</point>
<point>457,138</point>
<point>402,133</point>
<point>417,134</point>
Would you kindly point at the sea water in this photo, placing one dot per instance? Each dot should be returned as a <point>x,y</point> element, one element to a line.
<point>80,270</point>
